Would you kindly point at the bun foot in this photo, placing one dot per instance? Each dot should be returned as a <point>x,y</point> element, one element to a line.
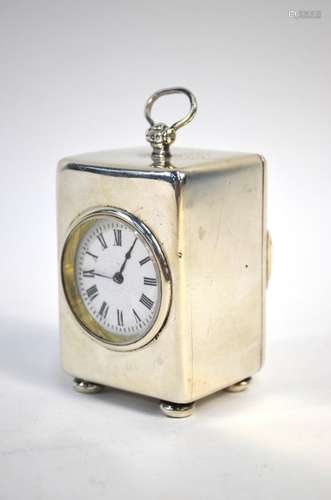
<point>86,387</point>
<point>176,410</point>
<point>239,386</point>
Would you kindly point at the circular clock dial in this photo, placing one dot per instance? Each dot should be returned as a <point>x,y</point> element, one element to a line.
<point>118,279</point>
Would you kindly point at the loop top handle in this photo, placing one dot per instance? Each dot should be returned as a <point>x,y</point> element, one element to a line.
<point>172,90</point>
<point>160,135</point>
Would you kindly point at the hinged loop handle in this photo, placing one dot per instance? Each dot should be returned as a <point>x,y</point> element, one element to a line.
<point>160,135</point>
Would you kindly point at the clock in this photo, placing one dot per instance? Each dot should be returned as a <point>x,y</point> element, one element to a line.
<point>116,278</point>
<point>164,258</point>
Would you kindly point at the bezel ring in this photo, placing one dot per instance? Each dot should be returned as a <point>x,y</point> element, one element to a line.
<point>89,325</point>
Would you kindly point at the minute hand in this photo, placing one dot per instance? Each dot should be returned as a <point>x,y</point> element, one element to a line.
<point>127,257</point>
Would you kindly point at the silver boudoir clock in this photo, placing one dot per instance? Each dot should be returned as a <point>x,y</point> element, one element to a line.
<point>164,260</point>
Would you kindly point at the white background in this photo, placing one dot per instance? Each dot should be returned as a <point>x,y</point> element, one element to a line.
<point>74,78</point>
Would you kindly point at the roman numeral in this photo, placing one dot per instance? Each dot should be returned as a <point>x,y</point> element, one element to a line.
<point>103,311</point>
<point>89,274</point>
<point>143,261</point>
<point>102,241</point>
<point>117,237</point>
<point>146,301</point>
<point>150,281</point>
<point>92,292</point>
<point>95,257</point>
<point>136,316</point>
<point>120,318</point>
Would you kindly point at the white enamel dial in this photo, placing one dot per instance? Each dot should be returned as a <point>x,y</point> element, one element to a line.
<point>118,278</point>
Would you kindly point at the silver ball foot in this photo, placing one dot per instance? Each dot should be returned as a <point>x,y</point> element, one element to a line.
<point>86,387</point>
<point>239,386</point>
<point>176,410</point>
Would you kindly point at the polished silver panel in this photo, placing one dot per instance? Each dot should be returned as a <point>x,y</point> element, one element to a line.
<point>207,211</point>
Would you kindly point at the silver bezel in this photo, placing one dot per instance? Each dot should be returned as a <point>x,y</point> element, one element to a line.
<point>67,278</point>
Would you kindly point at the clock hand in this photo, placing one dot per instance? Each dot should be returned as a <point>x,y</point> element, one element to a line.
<point>103,276</point>
<point>118,277</point>
<point>127,256</point>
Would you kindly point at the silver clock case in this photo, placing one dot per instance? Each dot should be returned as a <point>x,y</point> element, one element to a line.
<point>207,211</point>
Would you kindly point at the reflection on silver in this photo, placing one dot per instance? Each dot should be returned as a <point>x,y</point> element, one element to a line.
<point>176,410</point>
<point>86,387</point>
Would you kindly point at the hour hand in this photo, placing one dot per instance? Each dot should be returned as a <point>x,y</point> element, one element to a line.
<point>104,276</point>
